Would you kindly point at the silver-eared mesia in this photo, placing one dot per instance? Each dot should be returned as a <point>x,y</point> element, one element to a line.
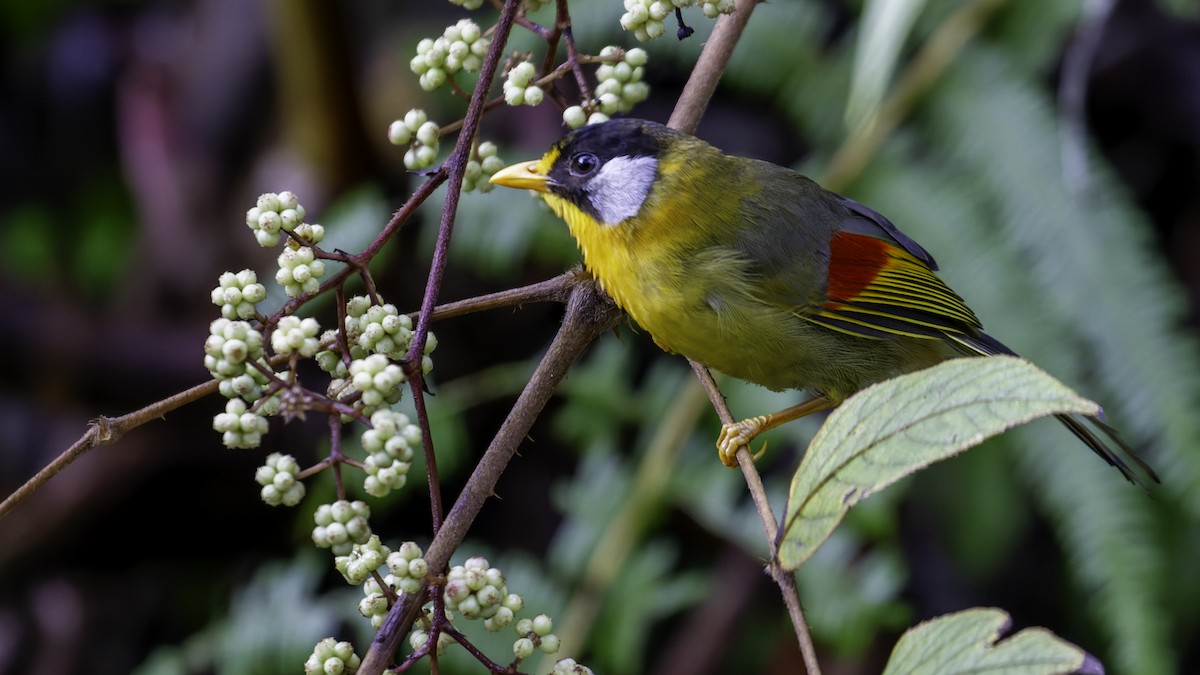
<point>758,272</point>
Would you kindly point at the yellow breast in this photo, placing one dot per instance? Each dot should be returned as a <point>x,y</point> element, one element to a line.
<point>669,267</point>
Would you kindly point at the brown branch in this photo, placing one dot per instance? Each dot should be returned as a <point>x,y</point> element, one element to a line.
<point>709,68</point>
<point>105,431</point>
<point>557,289</point>
<point>589,314</point>
<point>457,163</point>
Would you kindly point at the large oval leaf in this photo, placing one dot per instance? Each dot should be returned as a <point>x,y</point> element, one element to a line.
<point>894,428</point>
<point>969,642</point>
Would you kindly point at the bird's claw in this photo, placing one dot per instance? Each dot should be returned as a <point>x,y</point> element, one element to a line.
<point>734,436</point>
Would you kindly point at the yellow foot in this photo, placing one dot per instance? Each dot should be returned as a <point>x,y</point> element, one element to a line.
<point>734,436</point>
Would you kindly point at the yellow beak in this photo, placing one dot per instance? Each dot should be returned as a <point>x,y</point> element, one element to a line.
<point>524,175</point>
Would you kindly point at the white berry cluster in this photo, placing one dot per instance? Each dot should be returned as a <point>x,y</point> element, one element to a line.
<point>619,87</point>
<point>238,426</point>
<point>362,559</point>
<point>646,18</point>
<point>341,525</point>
<point>278,480</point>
<point>281,211</point>
<point>377,329</point>
<point>299,271</point>
<point>236,294</point>
<point>477,591</point>
<point>230,346</point>
<point>519,88</point>
<point>420,636</point>
<point>481,167</point>
<point>297,335</point>
<point>461,47</point>
<point>331,657</point>
<point>570,667</point>
<point>370,330</point>
<point>389,445</point>
<point>535,634</point>
<point>407,568</point>
<point>575,116</point>
<point>416,126</point>
<point>377,379</point>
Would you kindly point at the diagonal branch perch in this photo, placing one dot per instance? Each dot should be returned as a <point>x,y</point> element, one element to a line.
<point>590,313</point>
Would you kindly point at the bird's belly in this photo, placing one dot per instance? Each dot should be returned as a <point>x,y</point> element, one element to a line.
<point>764,346</point>
<point>776,348</point>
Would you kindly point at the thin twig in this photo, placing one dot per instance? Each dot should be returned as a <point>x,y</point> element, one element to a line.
<point>104,431</point>
<point>709,68</point>
<point>557,289</point>
<point>457,164</point>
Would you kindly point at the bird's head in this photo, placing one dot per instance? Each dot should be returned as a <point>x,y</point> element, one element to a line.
<point>605,171</point>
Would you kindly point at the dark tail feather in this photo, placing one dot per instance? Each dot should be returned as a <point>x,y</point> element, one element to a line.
<point>1096,443</point>
<point>986,345</point>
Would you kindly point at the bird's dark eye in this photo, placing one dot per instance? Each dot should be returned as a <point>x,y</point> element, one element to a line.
<point>583,163</point>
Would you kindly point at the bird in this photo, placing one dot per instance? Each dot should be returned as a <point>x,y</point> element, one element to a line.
<point>756,271</point>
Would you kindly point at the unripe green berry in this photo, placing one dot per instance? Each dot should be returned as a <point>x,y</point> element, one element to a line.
<point>514,602</point>
<point>470,31</point>
<point>610,103</point>
<point>413,119</point>
<point>399,133</point>
<point>268,201</point>
<point>574,117</point>
<point>489,166</point>
<point>523,648</point>
<point>427,133</point>
<point>549,643</point>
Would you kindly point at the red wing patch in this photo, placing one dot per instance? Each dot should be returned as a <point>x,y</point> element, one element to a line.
<point>876,289</point>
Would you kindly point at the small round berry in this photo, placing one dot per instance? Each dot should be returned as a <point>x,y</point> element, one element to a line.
<point>426,156</point>
<point>549,643</point>
<point>610,104</point>
<point>427,134</point>
<point>523,648</point>
<point>399,133</point>
<point>268,202</point>
<point>414,118</point>
<point>574,117</point>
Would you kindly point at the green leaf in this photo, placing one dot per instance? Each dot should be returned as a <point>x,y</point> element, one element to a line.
<point>969,641</point>
<point>885,26</point>
<point>894,428</point>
